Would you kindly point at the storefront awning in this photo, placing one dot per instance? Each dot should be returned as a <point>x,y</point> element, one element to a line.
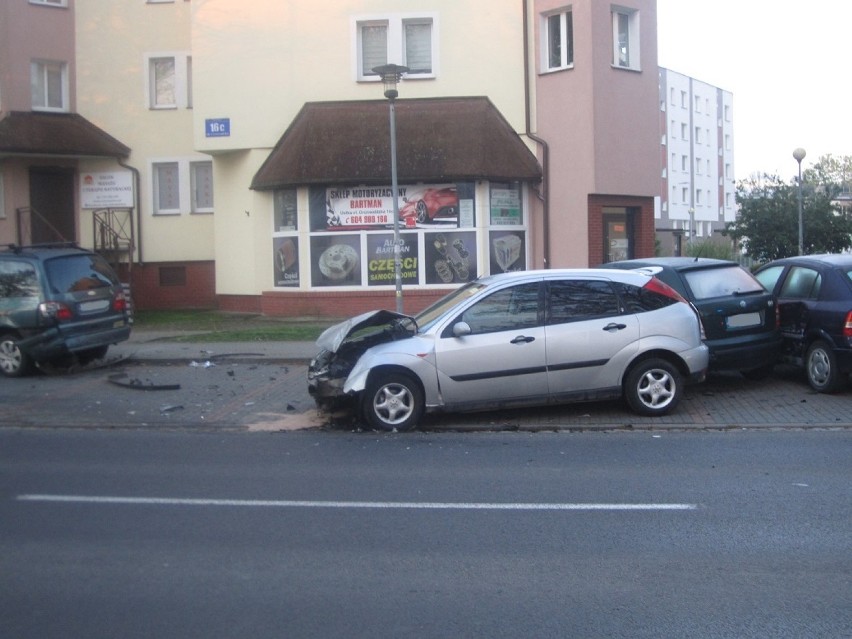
<point>438,140</point>
<point>55,135</point>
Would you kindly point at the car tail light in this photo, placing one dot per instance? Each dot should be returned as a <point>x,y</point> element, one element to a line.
<point>55,311</point>
<point>119,303</point>
<point>658,286</point>
<point>847,326</point>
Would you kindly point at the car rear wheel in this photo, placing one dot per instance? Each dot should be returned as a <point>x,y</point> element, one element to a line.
<point>393,401</point>
<point>422,212</point>
<point>821,368</point>
<point>13,361</point>
<point>653,387</point>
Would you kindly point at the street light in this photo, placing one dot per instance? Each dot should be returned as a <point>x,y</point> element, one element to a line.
<point>391,74</point>
<point>799,155</point>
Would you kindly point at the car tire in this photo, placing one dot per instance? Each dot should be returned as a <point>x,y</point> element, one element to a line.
<point>653,387</point>
<point>422,212</point>
<point>821,368</point>
<point>13,361</point>
<point>393,401</point>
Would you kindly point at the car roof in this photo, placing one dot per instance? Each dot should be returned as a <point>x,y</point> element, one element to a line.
<point>42,251</point>
<point>842,260</point>
<point>676,263</point>
<point>625,275</point>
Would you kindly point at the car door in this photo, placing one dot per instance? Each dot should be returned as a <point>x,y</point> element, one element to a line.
<point>796,298</point>
<point>589,338</point>
<point>501,357</point>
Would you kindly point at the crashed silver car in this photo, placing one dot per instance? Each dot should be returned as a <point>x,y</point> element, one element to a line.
<point>516,339</point>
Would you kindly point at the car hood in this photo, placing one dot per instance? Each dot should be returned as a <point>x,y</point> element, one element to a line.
<point>332,337</point>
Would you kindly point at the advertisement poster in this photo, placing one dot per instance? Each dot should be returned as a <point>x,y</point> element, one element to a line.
<point>336,261</point>
<point>507,251</point>
<point>112,190</point>
<point>505,206</point>
<point>380,259</point>
<point>286,259</point>
<point>450,257</point>
<point>363,207</point>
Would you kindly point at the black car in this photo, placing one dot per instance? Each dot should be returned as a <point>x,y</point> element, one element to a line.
<point>737,313</point>
<point>57,302</point>
<point>814,294</point>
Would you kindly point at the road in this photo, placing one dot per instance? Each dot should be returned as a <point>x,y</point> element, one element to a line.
<point>155,533</point>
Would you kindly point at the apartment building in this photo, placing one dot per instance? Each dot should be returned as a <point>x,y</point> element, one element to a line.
<point>249,168</point>
<point>698,188</point>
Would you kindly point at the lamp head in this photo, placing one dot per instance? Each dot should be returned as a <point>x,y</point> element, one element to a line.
<point>390,74</point>
<point>799,155</point>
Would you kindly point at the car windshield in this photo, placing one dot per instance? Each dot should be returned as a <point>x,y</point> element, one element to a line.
<point>720,282</point>
<point>73,273</point>
<point>426,317</point>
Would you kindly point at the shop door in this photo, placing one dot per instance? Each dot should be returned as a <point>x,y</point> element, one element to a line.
<point>618,236</point>
<point>52,205</point>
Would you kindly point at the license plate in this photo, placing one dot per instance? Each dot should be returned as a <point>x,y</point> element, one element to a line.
<point>94,306</point>
<point>743,320</point>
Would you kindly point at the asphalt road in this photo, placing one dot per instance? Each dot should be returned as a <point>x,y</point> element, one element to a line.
<point>153,533</point>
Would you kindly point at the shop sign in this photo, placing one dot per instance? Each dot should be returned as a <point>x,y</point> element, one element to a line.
<point>111,190</point>
<point>381,264</point>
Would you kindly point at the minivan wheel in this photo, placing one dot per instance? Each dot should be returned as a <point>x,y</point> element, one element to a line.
<point>13,361</point>
<point>393,401</point>
<point>821,368</point>
<point>653,387</point>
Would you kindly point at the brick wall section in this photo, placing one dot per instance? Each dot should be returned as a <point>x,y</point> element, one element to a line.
<point>198,291</point>
<point>644,234</point>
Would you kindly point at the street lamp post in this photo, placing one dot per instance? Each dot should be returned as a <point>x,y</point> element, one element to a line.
<point>799,155</point>
<point>391,74</point>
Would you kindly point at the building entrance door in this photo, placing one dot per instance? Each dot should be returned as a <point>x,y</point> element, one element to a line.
<point>618,234</point>
<point>52,205</point>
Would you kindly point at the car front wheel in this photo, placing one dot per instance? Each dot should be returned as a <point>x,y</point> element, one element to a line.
<point>13,361</point>
<point>393,401</point>
<point>653,387</point>
<point>821,368</point>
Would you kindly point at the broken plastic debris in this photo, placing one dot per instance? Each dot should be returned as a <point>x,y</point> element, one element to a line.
<point>206,364</point>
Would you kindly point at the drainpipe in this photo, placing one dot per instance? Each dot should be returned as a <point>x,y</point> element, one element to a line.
<point>136,200</point>
<point>545,149</point>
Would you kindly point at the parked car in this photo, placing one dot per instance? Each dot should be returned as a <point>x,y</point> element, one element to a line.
<point>514,339</point>
<point>737,313</point>
<point>814,294</point>
<point>57,301</point>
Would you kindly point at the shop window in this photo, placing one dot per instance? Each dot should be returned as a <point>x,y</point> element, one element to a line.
<point>49,85</point>
<point>558,42</point>
<point>284,210</point>
<point>412,41</point>
<point>506,207</point>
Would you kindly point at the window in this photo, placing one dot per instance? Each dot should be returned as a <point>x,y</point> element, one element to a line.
<point>625,38</point>
<point>410,40</point>
<point>201,183</point>
<point>18,280</point>
<point>506,310</point>
<point>169,81</point>
<point>49,84</point>
<point>182,185</point>
<point>559,41</point>
<point>575,301</point>
<point>801,283</point>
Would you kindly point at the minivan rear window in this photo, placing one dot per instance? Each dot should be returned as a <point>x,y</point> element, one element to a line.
<point>73,273</point>
<point>721,282</point>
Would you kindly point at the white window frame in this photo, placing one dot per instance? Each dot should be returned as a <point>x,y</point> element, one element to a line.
<point>186,195</point>
<point>38,68</point>
<point>193,184</point>
<point>50,3</point>
<point>566,40</point>
<point>633,62</point>
<point>395,25</point>
<point>183,80</point>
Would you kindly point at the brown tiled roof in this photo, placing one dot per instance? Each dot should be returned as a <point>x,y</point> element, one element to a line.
<point>438,140</point>
<point>66,134</point>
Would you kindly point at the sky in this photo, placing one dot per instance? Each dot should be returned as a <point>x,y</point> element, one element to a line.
<point>788,65</point>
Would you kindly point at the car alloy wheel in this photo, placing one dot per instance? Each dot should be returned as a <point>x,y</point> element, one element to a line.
<point>393,401</point>
<point>13,361</point>
<point>653,387</point>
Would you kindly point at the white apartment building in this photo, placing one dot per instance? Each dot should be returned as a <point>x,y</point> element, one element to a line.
<point>698,187</point>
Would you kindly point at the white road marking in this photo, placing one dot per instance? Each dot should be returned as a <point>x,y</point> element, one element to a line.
<point>268,503</point>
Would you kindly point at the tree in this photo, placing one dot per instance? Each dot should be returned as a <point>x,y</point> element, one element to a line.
<point>767,225</point>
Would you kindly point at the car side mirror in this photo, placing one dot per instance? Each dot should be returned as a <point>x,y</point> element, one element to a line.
<point>460,329</point>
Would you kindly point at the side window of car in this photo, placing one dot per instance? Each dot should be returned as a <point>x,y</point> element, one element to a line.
<point>18,280</point>
<point>508,309</point>
<point>801,283</point>
<point>577,300</point>
<point>768,277</point>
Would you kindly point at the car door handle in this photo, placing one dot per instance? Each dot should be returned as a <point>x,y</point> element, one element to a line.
<point>612,327</point>
<point>522,339</point>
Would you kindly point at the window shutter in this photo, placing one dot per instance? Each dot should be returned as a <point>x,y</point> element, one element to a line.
<point>374,47</point>
<point>418,47</point>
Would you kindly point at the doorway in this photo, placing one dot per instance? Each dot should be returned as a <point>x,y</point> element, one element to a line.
<point>618,241</point>
<point>52,205</point>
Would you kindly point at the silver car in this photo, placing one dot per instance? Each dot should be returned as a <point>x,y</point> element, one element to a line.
<point>516,339</point>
